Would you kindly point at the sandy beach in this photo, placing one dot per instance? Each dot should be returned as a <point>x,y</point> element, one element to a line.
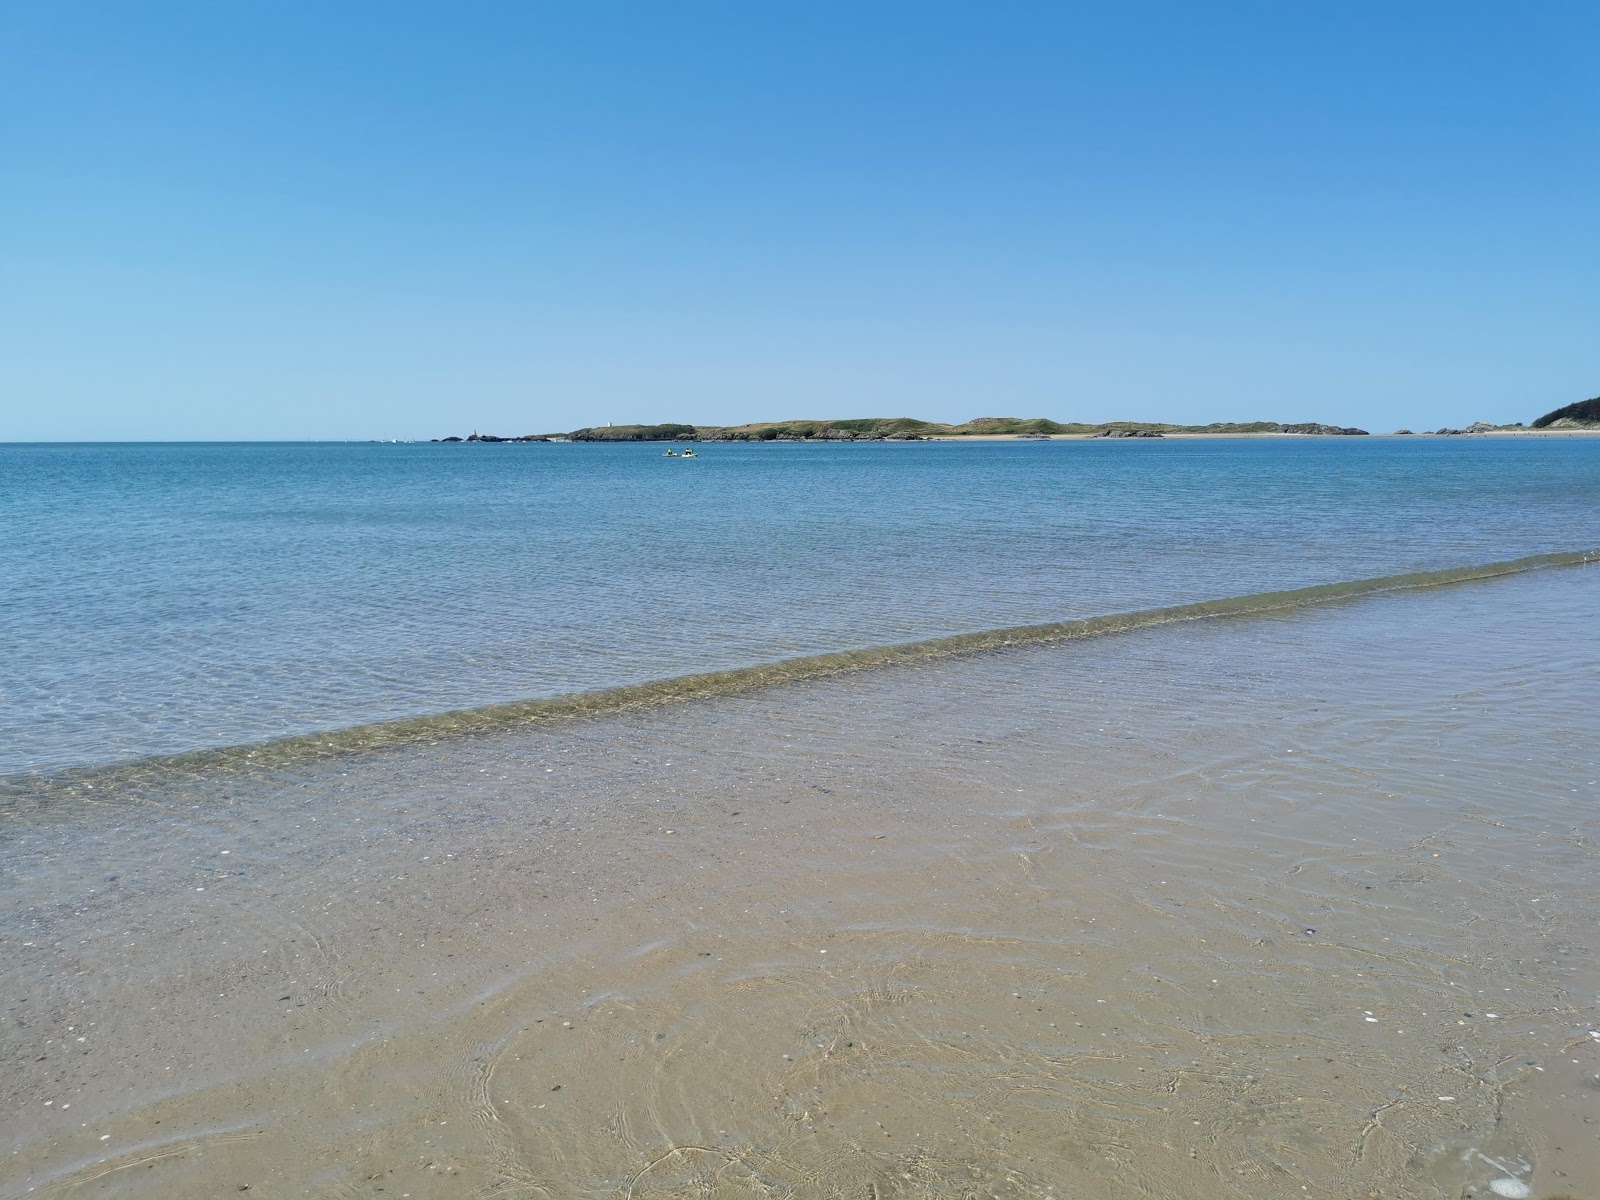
<point>1245,907</point>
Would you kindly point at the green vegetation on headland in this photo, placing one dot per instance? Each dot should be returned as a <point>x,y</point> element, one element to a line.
<point>1585,414</point>
<point>901,429</point>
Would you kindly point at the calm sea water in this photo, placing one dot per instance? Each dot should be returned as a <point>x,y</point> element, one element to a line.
<point>162,598</point>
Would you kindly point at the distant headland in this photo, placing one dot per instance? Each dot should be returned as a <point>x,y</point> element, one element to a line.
<point>904,429</point>
<point>1585,415</point>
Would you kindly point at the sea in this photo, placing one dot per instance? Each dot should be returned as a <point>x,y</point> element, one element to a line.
<point>157,599</point>
<point>1152,819</point>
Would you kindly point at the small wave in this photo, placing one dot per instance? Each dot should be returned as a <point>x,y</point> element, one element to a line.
<point>285,752</point>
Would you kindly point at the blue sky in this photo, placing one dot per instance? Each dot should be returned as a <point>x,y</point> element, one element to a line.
<point>280,220</point>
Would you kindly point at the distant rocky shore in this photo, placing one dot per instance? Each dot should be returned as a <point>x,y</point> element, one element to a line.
<point>1585,414</point>
<point>1580,416</point>
<point>903,429</point>
<point>1475,427</point>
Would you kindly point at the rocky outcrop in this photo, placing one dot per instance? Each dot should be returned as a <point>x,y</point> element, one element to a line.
<point>1319,430</point>
<point>637,433</point>
<point>1128,433</point>
<point>1475,427</point>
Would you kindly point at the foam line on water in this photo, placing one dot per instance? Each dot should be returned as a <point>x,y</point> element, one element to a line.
<point>288,751</point>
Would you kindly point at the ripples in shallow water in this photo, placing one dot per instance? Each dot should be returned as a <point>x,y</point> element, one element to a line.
<point>1295,904</point>
<point>161,599</point>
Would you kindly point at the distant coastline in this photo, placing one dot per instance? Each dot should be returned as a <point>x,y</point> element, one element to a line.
<point>1581,418</point>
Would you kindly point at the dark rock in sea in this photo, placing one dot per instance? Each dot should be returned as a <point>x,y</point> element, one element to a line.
<point>1585,414</point>
<point>451,438</point>
<point>1476,427</point>
<point>1320,430</point>
<point>1403,433</point>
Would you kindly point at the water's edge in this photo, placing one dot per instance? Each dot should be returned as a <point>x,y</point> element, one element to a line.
<point>287,751</point>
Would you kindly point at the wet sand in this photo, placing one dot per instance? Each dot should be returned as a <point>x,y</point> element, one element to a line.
<point>1295,904</point>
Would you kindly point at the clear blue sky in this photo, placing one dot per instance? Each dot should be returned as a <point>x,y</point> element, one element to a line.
<point>273,219</point>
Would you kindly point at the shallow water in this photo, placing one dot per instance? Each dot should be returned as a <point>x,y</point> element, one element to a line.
<point>1294,904</point>
<point>165,598</point>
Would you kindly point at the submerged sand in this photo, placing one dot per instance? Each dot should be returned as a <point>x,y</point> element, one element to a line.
<point>1300,904</point>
